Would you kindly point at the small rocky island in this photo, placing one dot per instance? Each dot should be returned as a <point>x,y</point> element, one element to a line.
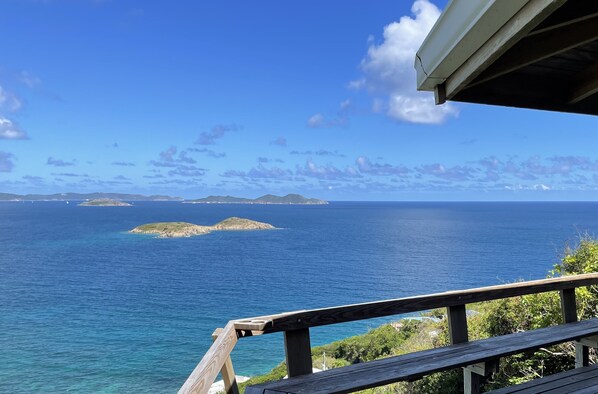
<point>184,229</point>
<point>104,202</point>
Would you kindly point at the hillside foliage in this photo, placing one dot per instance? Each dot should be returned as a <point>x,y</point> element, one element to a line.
<point>491,318</point>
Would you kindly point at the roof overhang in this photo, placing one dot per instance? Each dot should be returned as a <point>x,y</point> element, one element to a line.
<point>539,54</point>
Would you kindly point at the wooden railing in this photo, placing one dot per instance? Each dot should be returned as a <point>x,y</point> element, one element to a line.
<point>296,325</point>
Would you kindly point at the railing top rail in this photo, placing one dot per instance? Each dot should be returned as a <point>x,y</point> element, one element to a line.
<point>208,368</point>
<point>340,314</point>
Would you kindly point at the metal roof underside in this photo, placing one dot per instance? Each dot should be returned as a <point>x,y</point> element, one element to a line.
<point>552,64</point>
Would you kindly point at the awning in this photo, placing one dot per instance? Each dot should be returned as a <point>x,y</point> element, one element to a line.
<point>540,54</point>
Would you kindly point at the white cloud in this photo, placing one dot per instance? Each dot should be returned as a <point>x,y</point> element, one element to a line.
<point>328,172</point>
<point>315,121</point>
<point>389,72</point>
<point>341,118</point>
<point>280,141</point>
<point>30,80</point>
<point>9,101</point>
<point>538,187</point>
<point>9,130</point>
<point>418,109</point>
<point>345,104</point>
<point>59,163</point>
<point>217,132</point>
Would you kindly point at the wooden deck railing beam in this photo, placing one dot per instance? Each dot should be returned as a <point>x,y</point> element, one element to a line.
<point>227,371</point>
<point>296,327</point>
<point>341,314</point>
<point>210,365</point>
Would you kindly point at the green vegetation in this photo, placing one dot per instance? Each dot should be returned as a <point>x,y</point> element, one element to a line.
<point>235,223</point>
<point>105,202</point>
<point>184,229</point>
<point>165,226</point>
<point>378,343</point>
<point>492,318</point>
<point>172,229</point>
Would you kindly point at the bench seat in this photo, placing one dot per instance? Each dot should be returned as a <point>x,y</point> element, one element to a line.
<point>579,381</point>
<point>415,365</point>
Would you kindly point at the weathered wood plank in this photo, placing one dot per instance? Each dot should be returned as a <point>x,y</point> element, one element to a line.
<point>569,313</point>
<point>459,333</point>
<point>457,324</point>
<point>588,388</point>
<point>207,370</point>
<point>568,383</point>
<point>590,341</point>
<point>227,371</point>
<point>475,374</point>
<point>485,368</point>
<point>297,346</point>
<point>472,382</point>
<point>582,355</point>
<point>568,305</point>
<point>415,365</point>
<point>340,314</point>
<point>557,382</point>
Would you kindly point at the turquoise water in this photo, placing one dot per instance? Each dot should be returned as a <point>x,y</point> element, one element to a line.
<point>86,307</point>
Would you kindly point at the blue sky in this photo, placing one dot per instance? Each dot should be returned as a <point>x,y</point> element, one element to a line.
<point>194,98</point>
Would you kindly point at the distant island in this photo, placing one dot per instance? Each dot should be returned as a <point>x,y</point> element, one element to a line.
<point>84,197</point>
<point>104,202</point>
<point>267,199</point>
<point>184,229</point>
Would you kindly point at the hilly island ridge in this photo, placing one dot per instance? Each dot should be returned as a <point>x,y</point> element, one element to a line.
<point>289,199</point>
<point>185,229</point>
<point>266,199</point>
<point>85,197</point>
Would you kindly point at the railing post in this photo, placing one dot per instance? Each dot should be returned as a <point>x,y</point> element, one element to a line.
<point>212,362</point>
<point>457,325</point>
<point>569,312</point>
<point>297,347</point>
<point>568,305</point>
<point>227,371</point>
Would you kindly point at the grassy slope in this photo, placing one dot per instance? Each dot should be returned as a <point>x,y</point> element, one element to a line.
<point>165,226</point>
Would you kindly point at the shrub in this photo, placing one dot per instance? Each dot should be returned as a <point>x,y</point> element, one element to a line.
<point>494,318</point>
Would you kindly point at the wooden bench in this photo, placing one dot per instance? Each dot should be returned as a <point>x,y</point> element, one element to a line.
<point>477,358</point>
<point>576,381</point>
<point>413,366</point>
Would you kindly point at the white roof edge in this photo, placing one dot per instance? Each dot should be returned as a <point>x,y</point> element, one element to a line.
<point>462,28</point>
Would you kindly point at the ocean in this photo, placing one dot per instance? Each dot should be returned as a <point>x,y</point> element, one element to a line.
<point>87,307</point>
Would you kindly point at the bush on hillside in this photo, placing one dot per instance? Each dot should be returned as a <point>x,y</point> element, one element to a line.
<point>494,318</point>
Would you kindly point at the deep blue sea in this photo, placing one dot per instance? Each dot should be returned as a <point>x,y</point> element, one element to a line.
<point>87,307</point>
